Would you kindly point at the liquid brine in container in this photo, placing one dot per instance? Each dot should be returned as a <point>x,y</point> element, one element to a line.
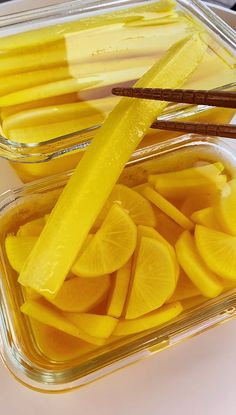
<point>180,200</point>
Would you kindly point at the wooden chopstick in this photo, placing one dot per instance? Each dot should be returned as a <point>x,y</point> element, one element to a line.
<point>214,98</point>
<point>224,130</point>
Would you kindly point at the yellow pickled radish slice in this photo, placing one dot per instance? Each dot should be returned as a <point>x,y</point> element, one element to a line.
<point>206,217</point>
<point>80,295</point>
<point>195,268</point>
<point>89,187</point>
<point>139,209</point>
<point>149,321</point>
<point>178,184</point>
<point>41,311</point>
<point>110,248</point>
<point>32,228</point>
<point>18,249</point>
<point>167,207</point>
<point>94,325</point>
<point>184,289</point>
<point>51,34</point>
<point>119,290</point>
<point>218,251</point>
<point>226,211</point>
<point>150,232</point>
<point>154,279</point>
<point>51,89</point>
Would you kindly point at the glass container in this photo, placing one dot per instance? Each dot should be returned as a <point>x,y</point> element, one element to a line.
<point>47,360</point>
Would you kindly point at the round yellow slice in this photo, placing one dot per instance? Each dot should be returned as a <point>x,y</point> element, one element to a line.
<point>218,251</point>
<point>110,248</point>
<point>18,249</point>
<point>156,318</point>
<point>227,208</point>
<point>154,278</point>
<point>139,208</point>
<point>203,278</point>
<point>150,232</point>
<point>79,295</point>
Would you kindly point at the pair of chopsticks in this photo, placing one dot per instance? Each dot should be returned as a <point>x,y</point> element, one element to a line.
<point>221,99</point>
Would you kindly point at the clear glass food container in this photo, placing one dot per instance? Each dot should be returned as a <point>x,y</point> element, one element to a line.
<point>52,362</point>
<point>59,63</point>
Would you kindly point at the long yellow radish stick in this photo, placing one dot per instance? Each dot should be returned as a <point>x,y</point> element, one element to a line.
<point>42,124</point>
<point>56,32</point>
<point>17,82</point>
<point>114,42</point>
<point>68,86</point>
<point>99,169</point>
<point>53,89</point>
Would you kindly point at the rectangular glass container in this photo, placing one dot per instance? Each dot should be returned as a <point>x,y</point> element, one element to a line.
<point>63,364</point>
<point>59,63</point>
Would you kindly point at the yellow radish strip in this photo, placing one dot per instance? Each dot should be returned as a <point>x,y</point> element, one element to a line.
<point>58,113</point>
<point>43,312</point>
<point>94,325</point>
<point>167,207</point>
<point>42,103</point>
<point>89,188</point>
<point>18,249</point>
<point>112,42</point>
<point>119,291</point>
<point>191,262</point>
<point>16,82</point>
<point>52,89</point>
<point>79,295</point>
<point>42,124</point>
<point>149,321</point>
<point>218,251</point>
<point>179,183</point>
<point>49,131</point>
<point>54,33</point>
<point>67,86</point>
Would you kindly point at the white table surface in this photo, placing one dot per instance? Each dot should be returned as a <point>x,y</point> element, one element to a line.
<point>193,378</point>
